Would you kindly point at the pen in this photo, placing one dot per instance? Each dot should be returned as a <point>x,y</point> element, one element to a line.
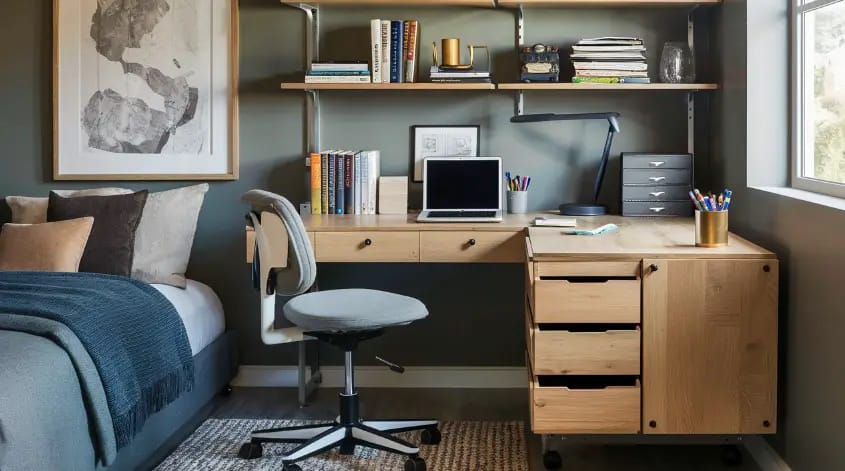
<point>527,184</point>
<point>695,201</point>
<point>728,194</point>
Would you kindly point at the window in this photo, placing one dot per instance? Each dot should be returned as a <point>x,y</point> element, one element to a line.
<point>819,96</point>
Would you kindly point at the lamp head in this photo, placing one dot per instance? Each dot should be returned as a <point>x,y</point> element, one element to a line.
<point>612,117</point>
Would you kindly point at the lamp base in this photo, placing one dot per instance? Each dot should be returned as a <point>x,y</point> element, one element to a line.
<point>582,209</point>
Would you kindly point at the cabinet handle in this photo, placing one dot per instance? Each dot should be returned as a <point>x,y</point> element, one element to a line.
<point>471,242</point>
<point>652,423</point>
<point>657,194</point>
<point>658,209</point>
<point>368,242</point>
<point>657,179</point>
<point>656,164</point>
<point>653,267</point>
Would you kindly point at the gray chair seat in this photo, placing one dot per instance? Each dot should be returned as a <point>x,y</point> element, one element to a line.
<point>346,310</point>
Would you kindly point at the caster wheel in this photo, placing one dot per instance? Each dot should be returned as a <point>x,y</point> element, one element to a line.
<point>291,467</point>
<point>250,451</point>
<point>347,449</point>
<point>227,391</point>
<point>430,436</point>
<point>731,456</point>
<point>552,460</point>
<point>415,463</point>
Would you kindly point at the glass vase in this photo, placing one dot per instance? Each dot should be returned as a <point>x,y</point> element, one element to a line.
<point>677,63</point>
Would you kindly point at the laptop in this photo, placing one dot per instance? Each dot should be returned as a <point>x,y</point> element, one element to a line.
<point>462,189</point>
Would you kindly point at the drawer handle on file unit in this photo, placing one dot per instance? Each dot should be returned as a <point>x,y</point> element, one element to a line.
<point>368,242</point>
<point>657,194</point>
<point>657,179</point>
<point>657,164</point>
<point>472,243</point>
<point>658,209</point>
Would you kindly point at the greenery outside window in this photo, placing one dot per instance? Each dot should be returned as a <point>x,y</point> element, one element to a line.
<point>818,58</point>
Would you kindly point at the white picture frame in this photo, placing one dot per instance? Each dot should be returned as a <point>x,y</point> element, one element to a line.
<point>153,101</point>
<point>444,141</point>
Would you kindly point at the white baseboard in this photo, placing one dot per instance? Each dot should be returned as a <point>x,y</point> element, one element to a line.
<point>259,376</point>
<point>764,455</point>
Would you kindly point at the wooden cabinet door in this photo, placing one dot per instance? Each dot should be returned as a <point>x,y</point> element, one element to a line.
<point>709,346</point>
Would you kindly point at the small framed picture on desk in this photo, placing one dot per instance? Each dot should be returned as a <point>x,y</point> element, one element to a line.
<point>444,141</point>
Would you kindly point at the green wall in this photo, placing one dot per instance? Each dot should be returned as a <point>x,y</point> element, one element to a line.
<point>476,311</point>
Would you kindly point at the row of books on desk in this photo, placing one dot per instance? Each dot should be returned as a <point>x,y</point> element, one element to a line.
<point>344,182</point>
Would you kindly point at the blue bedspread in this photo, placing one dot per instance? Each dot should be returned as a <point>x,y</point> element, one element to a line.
<point>131,332</point>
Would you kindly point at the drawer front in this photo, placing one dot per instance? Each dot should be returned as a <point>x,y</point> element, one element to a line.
<point>657,208</point>
<point>560,410</point>
<point>655,193</point>
<point>581,269</point>
<point>563,301</point>
<point>656,161</point>
<point>669,176</point>
<point>560,352</point>
<point>469,246</point>
<point>368,247</point>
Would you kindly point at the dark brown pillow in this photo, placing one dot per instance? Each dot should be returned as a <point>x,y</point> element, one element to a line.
<point>111,245</point>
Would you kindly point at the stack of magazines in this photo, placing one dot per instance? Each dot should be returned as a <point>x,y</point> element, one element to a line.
<point>439,75</point>
<point>338,72</point>
<point>610,60</point>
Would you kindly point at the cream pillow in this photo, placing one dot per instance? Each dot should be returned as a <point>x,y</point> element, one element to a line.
<point>51,246</point>
<point>29,210</point>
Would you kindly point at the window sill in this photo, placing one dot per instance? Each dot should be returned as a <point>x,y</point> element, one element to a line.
<point>803,195</point>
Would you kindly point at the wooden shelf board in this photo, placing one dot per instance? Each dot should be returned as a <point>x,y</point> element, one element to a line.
<point>609,86</point>
<point>398,3</point>
<point>605,3</point>
<point>388,86</point>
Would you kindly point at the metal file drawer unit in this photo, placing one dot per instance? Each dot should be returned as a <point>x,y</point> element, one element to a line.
<point>656,184</point>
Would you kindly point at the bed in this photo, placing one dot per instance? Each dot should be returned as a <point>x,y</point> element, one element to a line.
<point>46,421</point>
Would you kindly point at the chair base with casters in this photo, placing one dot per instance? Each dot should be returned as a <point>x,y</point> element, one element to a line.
<point>349,430</point>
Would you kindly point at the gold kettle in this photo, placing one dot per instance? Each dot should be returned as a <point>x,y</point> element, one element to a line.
<point>452,54</point>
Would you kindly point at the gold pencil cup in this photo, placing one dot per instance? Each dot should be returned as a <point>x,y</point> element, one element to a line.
<point>451,51</point>
<point>711,228</point>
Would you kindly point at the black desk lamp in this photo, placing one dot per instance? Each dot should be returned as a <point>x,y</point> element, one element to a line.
<point>582,209</point>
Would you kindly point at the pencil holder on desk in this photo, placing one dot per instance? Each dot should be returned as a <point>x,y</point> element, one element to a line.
<point>711,228</point>
<point>517,202</point>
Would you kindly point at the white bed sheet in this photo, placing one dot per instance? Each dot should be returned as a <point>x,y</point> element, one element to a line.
<point>201,312</point>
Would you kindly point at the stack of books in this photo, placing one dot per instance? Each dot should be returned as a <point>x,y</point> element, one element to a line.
<point>610,60</point>
<point>394,48</point>
<point>338,72</point>
<point>459,76</point>
<point>344,182</point>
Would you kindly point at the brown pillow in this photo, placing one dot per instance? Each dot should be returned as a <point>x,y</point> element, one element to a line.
<point>28,210</point>
<point>52,246</point>
<point>112,242</point>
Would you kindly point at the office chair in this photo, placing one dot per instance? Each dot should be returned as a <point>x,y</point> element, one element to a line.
<point>343,318</point>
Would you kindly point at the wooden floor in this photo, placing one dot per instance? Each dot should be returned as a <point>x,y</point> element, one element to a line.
<point>476,404</point>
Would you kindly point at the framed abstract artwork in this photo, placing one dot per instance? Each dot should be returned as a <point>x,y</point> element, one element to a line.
<point>444,141</point>
<point>145,90</point>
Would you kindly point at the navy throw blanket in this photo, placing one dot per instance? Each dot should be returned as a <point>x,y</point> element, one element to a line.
<point>133,334</point>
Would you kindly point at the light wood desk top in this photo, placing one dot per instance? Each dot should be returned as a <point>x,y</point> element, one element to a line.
<point>384,222</point>
<point>635,238</point>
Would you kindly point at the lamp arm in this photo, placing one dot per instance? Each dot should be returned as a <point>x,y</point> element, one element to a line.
<point>603,164</point>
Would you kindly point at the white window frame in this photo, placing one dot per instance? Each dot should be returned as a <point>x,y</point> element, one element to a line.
<point>802,129</point>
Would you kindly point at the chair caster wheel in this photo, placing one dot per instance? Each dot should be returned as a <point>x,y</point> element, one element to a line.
<point>291,467</point>
<point>415,463</point>
<point>552,460</point>
<point>430,436</point>
<point>226,391</point>
<point>347,449</point>
<point>250,451</point>
<point>731,456</point>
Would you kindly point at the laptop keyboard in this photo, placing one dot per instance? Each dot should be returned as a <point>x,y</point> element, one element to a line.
<point>462,214</point>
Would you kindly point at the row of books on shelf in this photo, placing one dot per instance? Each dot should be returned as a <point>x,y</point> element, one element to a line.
<point>611,59</point>
<point>344,182</point>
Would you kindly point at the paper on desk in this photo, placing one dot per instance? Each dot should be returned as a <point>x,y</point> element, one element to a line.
<point>550,221</point>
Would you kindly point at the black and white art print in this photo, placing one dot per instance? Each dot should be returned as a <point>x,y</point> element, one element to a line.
<point>443,141</point>
<point>145,89</point>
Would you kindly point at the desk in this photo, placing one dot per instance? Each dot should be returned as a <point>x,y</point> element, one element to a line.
<point>636,331</point>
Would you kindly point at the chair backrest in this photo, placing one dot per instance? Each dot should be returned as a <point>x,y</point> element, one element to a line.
<point>301,272</point>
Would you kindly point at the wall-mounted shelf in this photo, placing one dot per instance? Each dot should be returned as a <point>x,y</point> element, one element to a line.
<point>685,87</point>
<point>387,86</point>
<point>604,3</point>
<point>398,3</point>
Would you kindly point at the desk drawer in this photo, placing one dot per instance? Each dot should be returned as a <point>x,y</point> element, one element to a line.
<point>368,247</point>
<point>598,300</point>
<point>655,193</point>
<point>667,176</point>
<point>472,246</point>
<point>571,405</point>
<point>565,352</point>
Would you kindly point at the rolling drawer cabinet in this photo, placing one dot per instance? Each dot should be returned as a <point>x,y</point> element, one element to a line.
<point>656,184</point>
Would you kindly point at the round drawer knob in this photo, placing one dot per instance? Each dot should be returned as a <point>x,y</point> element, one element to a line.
<point>471,242</point>
<point>653,267</point>
<point>368,242</point>
<point>652,423</point>
<point>766,423</point>
<point>767,268</point>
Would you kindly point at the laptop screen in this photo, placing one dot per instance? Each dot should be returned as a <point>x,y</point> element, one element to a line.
<point>463,183</point>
